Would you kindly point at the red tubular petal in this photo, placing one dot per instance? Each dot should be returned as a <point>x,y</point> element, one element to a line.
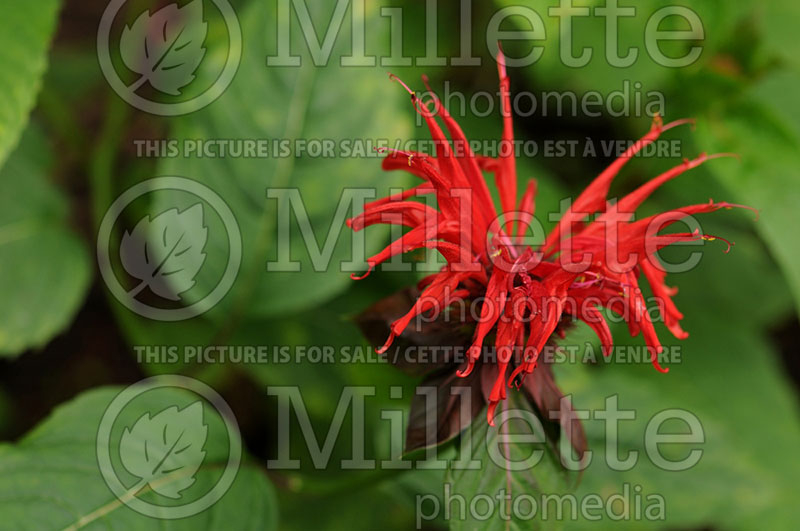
<point>439,294</point>
<point>630,202</point>
<point>489,164</point>
<point>483,207</point>
<point>527,205</point>
<point>642,317</point>
<point>396,160</point>
<point>410,214</point>
<point>466,371</point>
<point>422,236</point>
<point>491,308</point>
<point>420,189</point>
<point>654,359</point>
<point>592,317</point>
<point>669,312</point>
<point>506,177</point>
<point>593,198</point>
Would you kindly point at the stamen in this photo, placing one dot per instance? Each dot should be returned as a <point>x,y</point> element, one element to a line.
<point>581,281</point>
<point>730,206</point>
<point>517,377</point>
<point>408,89</point>
<point>658,122</point>
<point>398,151</point>
<point>711,238</point>
<point>676,123</point>
<point>724,155</point>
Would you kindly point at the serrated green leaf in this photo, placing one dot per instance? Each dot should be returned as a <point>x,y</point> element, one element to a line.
<point>25,32</point>
<point>51,479</point>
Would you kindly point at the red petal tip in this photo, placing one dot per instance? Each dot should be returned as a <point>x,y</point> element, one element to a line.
<point>388,343</point>
<point>365,275</point>
<point>466,371</point>
<point>658,366</point>
<point>501,62</point>
<point>490,413</point>
<point>512,380</point>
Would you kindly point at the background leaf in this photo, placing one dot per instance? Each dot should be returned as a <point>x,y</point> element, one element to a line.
<point>716,363</point>
<point>67,485</point>
<point>736,368</point>
<point>769,156</point>
<point>333,104</point>
<point>25,33</point>
<point>170,441</point>
<point>44,267</point>
<point>519,476</point>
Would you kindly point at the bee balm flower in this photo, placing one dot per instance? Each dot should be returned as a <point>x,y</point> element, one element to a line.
<point>526,291</point>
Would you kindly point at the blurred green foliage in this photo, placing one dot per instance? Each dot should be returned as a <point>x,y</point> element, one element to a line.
<point>741,91</point>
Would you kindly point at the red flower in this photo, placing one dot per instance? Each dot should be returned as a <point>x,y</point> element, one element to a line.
<point>585,263</point>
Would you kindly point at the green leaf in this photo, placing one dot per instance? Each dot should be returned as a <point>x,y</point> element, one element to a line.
<point>264,103</point>
<point>729,376</point>
<point>51,479</point>
<point>515,459</point>
<point>44,267</point>
<point>387,505</point>
<point>779,28</point>
<point>630,80</point>
<point>25,32</point>
<point>159,445</point>
<point>764,129</point>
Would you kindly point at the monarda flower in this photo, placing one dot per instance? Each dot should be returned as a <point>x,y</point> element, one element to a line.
<point>594,258</point>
